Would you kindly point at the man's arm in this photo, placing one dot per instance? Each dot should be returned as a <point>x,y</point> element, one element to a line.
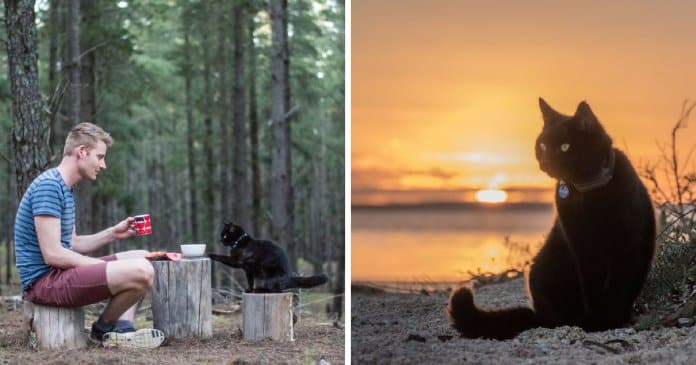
<point>55,255</point>
<point>89,243</point>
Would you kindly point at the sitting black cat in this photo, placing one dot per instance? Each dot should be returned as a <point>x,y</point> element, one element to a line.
<point>265,264</point>
<point>596,258</point>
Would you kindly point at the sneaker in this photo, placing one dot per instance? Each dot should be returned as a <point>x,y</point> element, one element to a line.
<point>123,334</point>
<point>146,338</point>
<point>99,328</point>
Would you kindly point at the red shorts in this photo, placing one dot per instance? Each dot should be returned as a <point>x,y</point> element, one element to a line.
<point>74,287</point>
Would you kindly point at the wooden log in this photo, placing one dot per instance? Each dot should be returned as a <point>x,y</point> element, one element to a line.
<point>267,316</point>
<point>53,328</point>
<point>182,303</point>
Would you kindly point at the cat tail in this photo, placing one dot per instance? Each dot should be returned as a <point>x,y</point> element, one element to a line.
<point>308,281</point>
<point>473,322</point>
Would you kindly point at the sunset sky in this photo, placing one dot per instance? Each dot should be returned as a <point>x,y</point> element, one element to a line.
<point>444,93</point>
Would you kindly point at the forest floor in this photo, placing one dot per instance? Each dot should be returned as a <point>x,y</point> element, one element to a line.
<point>411,328</point>
<point>317,338</point>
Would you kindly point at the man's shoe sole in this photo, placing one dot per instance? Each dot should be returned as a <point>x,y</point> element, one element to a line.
<point>147,338</point>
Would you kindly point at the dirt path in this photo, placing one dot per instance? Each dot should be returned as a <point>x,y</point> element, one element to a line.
<point>316,339</point>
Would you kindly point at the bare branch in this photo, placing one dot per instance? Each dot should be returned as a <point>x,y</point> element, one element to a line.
<point>688,155</point>
<point>9,161</point>
<point>681,123</point>
<point>92,49</point>
<point>287,115</point>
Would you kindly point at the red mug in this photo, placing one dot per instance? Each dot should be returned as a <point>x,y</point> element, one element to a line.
<point>142,225</point>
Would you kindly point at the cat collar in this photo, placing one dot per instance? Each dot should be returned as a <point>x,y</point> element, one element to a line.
<point>236,242</point>
<point>603,178</point>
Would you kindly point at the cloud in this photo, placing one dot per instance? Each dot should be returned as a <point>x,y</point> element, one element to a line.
<point>367,178</point>
<point>479,158</point>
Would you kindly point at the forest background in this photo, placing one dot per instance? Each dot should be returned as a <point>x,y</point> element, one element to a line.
<point>220,110</point>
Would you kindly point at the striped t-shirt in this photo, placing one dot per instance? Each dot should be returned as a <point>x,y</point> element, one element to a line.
<point>47,195</point>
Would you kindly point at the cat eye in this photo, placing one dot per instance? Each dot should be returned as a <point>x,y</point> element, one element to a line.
<point>565,147</point>
<point>542,146</point>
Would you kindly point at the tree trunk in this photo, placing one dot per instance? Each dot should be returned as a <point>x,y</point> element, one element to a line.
<point>55,27</point>
<point>29,132</point>
<point>168,188</point>
<point>64,123</point>
<point>153,199</point>
<point>289,190</point>
<point>182,299</point>
<point>54,328</point>
<point>87,208</point>
<point>73,99</point>
<point>280,153</point>
<point>267,316</point>
<point>242,208</point>
<point>193,218</point>
<point>339,200</point>
<point>224,108</point>
<point>209,175</point>
<point>9,221</point>
<point>254,134</point>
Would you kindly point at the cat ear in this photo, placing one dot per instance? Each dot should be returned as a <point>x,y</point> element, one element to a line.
<point>549,115</point>
<point>584,117</point>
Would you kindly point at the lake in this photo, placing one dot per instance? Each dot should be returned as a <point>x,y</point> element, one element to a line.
<point>443,243</point>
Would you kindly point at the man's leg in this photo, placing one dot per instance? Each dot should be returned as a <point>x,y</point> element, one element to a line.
<point>128,280</point>
<point>129,314</point>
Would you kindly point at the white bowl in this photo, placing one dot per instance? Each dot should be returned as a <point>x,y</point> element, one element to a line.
<point>193,250</point>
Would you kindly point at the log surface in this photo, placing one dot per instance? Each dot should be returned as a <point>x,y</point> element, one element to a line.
<point>53,328</point>
<point>181,298</point>
<point>267,316</point>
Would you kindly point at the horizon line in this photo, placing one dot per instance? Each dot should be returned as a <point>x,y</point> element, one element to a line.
<point>455,204</point>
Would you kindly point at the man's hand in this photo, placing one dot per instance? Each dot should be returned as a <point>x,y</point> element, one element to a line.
<point>124,229</point>
<point>89,243</point>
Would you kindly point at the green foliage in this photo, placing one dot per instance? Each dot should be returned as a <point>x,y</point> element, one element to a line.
<point>647,322</point>
<point>672,275</point>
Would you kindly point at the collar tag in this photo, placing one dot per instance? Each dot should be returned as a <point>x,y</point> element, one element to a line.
<point>563,190</point>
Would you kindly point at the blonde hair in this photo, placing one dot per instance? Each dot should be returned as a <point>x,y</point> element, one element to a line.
<point>87,134</point>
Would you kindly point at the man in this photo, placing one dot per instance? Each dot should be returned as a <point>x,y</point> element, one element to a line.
<point>50,256</point>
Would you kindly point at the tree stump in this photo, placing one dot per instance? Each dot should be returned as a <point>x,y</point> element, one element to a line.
<point>267,316</point>
<point>53,328</point>
<point>181,298</point>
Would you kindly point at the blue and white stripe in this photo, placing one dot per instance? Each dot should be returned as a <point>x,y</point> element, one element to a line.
<point>47,195</point>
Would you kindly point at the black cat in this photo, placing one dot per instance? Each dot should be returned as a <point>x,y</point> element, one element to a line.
<point>596,258</point>
<point>265,264</point>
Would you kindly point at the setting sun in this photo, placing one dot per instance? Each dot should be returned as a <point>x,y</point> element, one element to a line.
<point>491,196</point>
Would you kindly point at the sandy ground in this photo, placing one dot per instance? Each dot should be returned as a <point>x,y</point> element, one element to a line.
<point>412,329</point>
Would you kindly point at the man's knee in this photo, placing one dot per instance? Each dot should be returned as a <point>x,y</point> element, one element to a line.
<point>142,272</point>
<point>146,272</point>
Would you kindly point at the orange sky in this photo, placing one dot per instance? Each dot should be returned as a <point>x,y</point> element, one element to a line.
<point>444,93</point>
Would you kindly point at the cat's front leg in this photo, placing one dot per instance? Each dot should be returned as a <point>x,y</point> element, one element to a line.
<point>224,259</point>
<point>592,273</point>
<point>250,281</point>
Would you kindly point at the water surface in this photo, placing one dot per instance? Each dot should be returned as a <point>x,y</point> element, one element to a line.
<point>444,243</point>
